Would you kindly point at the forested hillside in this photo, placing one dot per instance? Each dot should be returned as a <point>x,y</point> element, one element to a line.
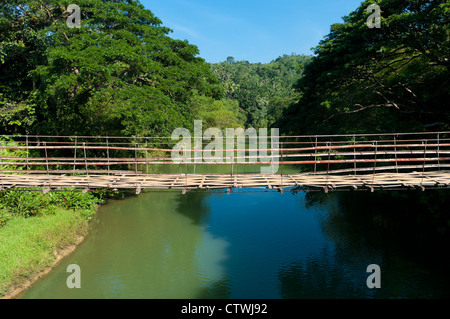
<point>388,79</point>
<point>263,91</point>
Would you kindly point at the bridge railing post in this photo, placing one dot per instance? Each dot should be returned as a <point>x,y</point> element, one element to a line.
<point>28,167</point>
<point>232,169</point>
<point>315,156</point>
<point>185,165</point>
<point>329,159</point>
<point>107,154</point>
<point>354,154</point>
<point>1,160</point>
<point>282,163</point>
<point>75,155</point>
<point>135,157</point>
<point>439,151</point>
<point>395,151</point>
<point>46,157</point>
<point>425,144</point>
<point>85,159</point>
<point>146,156</point>
<point>375,164</point>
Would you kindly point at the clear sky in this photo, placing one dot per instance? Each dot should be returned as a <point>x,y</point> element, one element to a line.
<point>251,30</point>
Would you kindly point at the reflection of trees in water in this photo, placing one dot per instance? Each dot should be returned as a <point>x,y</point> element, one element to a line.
<point>364,229</point>
<point>195,206</point>
<point>157,244</point>
<point>219,290</point>
<point>321,277</point>
<point>339,269</point>
<point>404,219</point>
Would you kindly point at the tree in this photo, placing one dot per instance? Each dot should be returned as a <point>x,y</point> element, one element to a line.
<point>262,90</point>
<point>120,73</point>
<point>378,80</point>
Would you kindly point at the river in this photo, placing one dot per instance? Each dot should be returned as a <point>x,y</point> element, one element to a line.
<point>247,245</point>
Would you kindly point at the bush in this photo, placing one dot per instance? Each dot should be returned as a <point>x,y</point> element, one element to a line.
<point>4,216</point>
<point>24,203</point>
<point>30,202</point>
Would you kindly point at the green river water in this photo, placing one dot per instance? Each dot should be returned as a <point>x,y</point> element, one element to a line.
<point>247,245</point>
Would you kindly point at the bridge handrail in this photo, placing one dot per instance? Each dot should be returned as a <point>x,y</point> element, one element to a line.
<point>331,155</point>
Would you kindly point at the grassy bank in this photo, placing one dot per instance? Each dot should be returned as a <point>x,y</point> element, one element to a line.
<point>35,229</point>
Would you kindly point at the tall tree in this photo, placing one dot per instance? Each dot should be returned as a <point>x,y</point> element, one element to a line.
<point>262,90</point>
<point>393,78</point>
<point>119,73</point>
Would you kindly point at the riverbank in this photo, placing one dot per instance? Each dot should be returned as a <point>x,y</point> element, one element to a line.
<point>59,256</point>
<point>37,231</point>
<point>31,247</point>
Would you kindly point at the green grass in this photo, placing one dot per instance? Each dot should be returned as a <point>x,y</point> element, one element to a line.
<point>27,245</point>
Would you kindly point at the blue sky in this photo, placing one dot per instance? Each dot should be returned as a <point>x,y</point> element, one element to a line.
<point>251,30</point>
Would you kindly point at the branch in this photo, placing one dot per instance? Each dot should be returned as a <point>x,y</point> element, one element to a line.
<point>362,108</point>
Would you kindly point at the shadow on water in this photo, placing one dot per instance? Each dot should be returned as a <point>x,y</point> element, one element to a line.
<point>194,206</point>
<point>401,232</point>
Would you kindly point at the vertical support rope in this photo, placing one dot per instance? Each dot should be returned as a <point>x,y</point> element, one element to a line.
<point>424,160</point>
<point>107,154</point>
<point>75,156</point>
<point>28,167</point>
<point>1,162</point>
<point>46,156</point>
<point>315,157</point>
<point>146,156</point>
<point>439,151</point>
<point>86,164</point>
<point>85,159</point>
<point>135,166</point>
<point>282,163</point>
<point>395,151</point>
<point>328,167</point>
<point>375,163</point>
<point>185,164</point>
<point>135,157</point>
<point>232,170</point>
<point>354,153</point>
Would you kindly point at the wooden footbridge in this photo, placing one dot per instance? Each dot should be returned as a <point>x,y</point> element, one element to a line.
<point>326,162</point>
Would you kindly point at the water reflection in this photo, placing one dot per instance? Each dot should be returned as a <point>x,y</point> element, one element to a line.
<point>252,245</point>
<point>143,248</point>
<point>194,206</point>
<point>363,231</point>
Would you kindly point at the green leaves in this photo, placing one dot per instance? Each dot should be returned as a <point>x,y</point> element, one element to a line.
<point>367,80</point>
<point>120,73</point>
<point>262,90</point>
<point>220,114</point>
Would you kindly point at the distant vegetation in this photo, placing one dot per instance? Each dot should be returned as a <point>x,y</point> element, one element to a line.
<point>263,91</point>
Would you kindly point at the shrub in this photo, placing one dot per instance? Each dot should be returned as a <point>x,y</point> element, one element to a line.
<point>4,216</point>
<point>29,202</point>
